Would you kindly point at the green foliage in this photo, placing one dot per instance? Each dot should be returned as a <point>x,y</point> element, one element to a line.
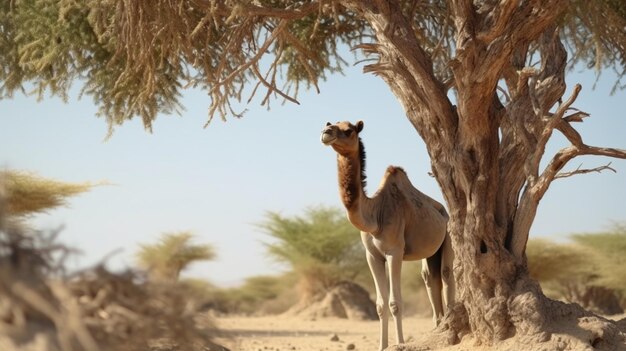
<point>171,254</point>
<point>52,43</point>
<point>135,57</point>
<point>321,246</point>
<point>594,33</point>
<point>28,193</point>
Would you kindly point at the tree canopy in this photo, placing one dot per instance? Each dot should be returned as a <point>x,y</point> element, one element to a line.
<point>135,58</point>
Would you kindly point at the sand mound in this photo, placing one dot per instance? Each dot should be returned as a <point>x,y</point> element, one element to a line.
<point>345,300</point>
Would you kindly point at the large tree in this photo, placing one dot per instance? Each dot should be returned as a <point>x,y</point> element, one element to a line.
<point>481,81</point>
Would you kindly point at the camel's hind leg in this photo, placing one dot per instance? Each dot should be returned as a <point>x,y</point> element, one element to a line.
<point>447,259</point>
<point>431,273</point>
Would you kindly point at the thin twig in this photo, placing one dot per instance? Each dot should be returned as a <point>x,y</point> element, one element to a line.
<point>580,170</point>
<point>270,87</point>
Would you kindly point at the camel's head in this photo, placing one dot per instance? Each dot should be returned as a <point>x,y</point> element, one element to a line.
<point>342,136</point>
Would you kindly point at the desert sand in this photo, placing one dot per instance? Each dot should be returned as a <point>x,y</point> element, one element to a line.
<point>281,333</point>
<point>291,333</point>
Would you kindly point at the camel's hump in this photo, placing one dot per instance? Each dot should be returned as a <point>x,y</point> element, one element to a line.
<point>391,170</point>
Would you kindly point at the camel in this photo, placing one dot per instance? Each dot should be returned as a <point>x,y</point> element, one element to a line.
<point>398,223</point>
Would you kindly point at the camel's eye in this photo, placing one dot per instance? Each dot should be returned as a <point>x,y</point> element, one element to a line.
<point>348,132</point>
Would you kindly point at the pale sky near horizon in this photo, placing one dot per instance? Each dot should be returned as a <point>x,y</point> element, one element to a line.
<point>218,182</point>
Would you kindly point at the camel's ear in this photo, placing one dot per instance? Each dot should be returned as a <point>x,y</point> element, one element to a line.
<point>327,124</point>
<point>359,126</point>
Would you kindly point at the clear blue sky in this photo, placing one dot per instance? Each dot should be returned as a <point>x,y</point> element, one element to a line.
<point>219,181</point>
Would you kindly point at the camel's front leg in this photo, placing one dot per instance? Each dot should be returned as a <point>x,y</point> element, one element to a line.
<point>394,262</point>
<point>377,267</point>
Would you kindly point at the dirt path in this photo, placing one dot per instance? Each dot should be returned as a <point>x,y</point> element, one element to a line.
<point>288,333</point>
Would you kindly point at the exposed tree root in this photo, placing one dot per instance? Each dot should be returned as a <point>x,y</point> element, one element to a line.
<point>537,323</point>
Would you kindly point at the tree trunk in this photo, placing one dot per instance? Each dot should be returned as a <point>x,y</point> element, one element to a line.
<point>493,288</point>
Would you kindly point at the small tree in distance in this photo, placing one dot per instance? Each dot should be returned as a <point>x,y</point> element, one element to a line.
<point>173,253</point>
<point>321,246</point>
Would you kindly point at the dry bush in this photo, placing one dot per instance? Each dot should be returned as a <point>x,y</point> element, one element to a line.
<point>95,310</point>
<point>44,309</point>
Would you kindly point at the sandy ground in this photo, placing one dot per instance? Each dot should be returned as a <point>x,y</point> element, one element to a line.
<point>288,333</point>
<point>279,333</point>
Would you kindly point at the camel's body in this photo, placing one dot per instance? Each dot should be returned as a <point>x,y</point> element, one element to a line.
<point>398,223</point>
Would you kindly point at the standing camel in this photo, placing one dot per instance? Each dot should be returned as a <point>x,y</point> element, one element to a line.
<point>399,223</point>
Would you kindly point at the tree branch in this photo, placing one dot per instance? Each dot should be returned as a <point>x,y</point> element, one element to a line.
<point>271,87</point>
<point>537,185</point>
<point>254,59</point>
<point>217,95</point>
<point>507,8</point>
<point>603,151</point>
<point>563,157</point>
<point>399,50</point>
<point>546,133</point>
<point>579,170</point>
<point>570,133</point>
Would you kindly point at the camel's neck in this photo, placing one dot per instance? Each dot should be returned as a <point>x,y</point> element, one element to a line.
<point>351,189</point>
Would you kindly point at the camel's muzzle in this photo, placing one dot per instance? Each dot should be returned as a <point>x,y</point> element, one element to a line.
<point>328,137</point>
